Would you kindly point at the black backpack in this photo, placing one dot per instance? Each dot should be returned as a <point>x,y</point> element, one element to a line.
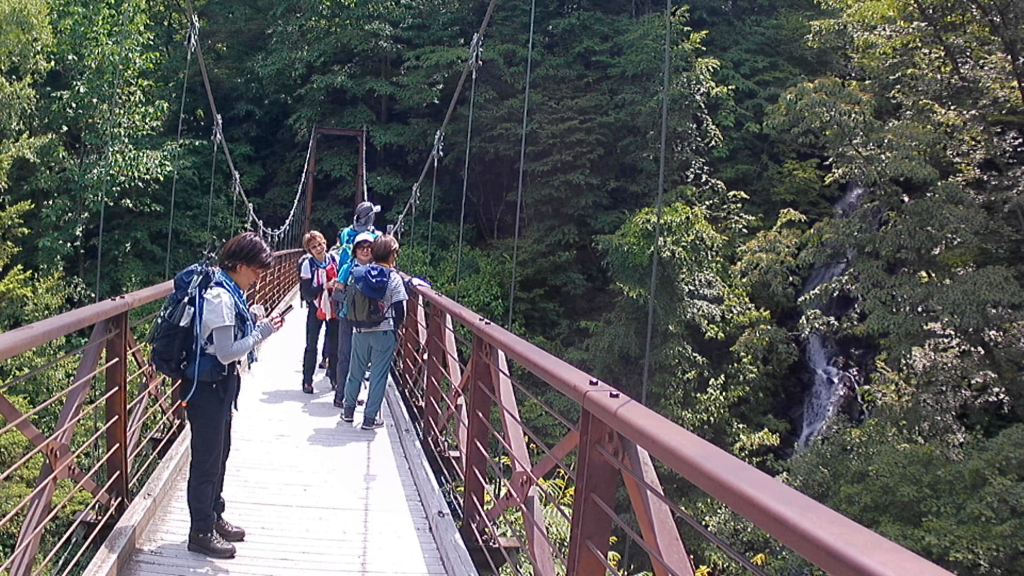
<point>173,336</point>
<point>298,272</point>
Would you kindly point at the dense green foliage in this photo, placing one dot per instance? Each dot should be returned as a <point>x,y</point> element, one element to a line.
<point>777,109</point>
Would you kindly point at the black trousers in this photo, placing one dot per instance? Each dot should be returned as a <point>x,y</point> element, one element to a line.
<point>209,414</point>
<point>313,325</point>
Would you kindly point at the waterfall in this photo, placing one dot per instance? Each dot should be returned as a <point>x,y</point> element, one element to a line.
<point>831,384</point>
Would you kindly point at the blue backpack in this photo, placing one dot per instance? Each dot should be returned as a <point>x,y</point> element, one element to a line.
<point>173,335</point>
<point>346,238</point>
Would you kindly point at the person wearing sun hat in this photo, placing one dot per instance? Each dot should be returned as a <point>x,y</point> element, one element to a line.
<point>362,221</point>
<point>362,255</point>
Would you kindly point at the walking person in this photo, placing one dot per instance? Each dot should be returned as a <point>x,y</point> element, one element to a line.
<point>229,335</point>
<point>317,275</point>
<point>375,304</point>
<point>361,256</point>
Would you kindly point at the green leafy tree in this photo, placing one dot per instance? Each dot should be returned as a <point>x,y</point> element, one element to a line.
<point>25,36</point>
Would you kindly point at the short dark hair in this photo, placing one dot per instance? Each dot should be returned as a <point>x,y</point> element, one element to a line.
<point>246,249</point>
<point>383,247</point>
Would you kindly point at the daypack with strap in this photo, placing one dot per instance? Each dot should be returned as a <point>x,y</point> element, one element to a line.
<point>365,294</point>
<point>302,295</point>
<point>346,238</point>
<point>173,336</point>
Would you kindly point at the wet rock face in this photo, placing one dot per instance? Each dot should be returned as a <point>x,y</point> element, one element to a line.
<point>834,388</point>
<point>834,380</point>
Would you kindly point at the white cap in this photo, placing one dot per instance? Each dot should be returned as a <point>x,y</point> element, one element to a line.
<point>364,237</point>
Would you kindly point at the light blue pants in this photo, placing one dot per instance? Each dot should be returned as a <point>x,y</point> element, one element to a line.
<point>373,349</point>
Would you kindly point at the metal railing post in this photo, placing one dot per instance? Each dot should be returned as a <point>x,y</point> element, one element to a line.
<point>595,478</point>
<point>435,373</point>
<point>117,408</point>
<point>410,345</point>
<point>479,392</point>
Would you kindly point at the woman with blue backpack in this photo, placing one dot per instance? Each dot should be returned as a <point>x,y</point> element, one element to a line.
<point>227,338</point>
<point>375,306</point>
<point>361,256</point>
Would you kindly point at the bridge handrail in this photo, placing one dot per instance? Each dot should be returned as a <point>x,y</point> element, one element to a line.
<point>821,535</point>
<point>135,414</point>
<point>25,338</point>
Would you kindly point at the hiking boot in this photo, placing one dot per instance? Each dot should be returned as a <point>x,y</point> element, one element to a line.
<point>348,413</point>
<point>372,424</point>
<point>228,531</point>
<point>210,544</point>
<point>307,387</point>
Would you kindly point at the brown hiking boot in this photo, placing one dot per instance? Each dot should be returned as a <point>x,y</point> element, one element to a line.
<point>210,544</point>
<point>229,531</point>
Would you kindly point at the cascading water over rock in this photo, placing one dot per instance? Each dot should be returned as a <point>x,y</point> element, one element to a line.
<point>831,383</point>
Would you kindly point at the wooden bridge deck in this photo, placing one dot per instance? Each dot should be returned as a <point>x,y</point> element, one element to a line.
<point>315,495</point>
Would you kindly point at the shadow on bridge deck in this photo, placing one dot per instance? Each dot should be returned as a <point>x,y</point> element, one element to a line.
<point>315,494</point>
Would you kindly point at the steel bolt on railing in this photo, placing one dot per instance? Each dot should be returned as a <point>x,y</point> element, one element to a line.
<point>120,452</point>
<point>498,470</point>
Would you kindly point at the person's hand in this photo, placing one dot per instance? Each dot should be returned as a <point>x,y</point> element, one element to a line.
<point>276,320</point>
<point>258,312</point>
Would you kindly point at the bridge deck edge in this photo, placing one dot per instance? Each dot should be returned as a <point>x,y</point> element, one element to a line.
<point>117,550</point>
<point>454,554</point>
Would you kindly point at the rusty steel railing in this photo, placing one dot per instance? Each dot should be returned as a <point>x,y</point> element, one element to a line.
<point>85,421</point>
<point>546,508</point>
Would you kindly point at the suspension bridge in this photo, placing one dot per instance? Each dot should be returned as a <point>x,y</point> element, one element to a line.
<point>458,482</point>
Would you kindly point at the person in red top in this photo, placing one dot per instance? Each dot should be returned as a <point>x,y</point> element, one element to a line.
<point>318,273</point>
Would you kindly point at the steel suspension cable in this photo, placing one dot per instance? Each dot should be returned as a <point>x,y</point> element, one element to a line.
<point>99,242</point>
<point>661,192</point>
<point>475,57</point>
<point>435,155</point>
<point>213,174</point>
<point>109,157</point>
<point>522,165</point>
<point>231,225</point>
<point>192,39</point>
<point>252,218</point>
<point>471,65</point>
